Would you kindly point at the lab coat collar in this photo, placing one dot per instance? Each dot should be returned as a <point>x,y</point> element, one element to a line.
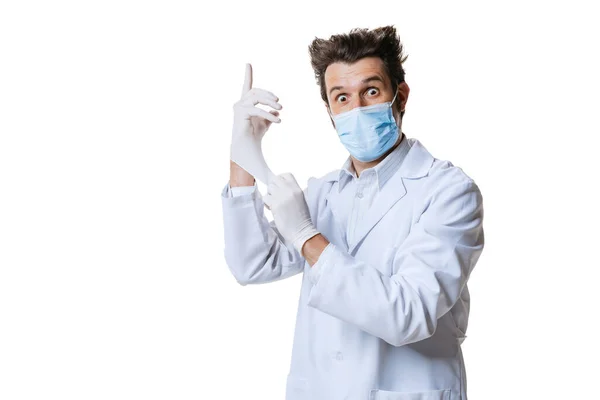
<point>415,165</point>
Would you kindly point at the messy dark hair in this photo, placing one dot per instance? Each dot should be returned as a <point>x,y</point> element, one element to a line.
<point>349,47</point>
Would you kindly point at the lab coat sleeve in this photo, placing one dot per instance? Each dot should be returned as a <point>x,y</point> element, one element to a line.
<point>255,251</point>
<point>433,264</point>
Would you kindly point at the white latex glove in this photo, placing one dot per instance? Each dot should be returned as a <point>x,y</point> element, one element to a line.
<point>286,201</point>
<point>250,123</point>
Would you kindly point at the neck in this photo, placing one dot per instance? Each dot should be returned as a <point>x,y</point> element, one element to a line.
<point>360,166</point>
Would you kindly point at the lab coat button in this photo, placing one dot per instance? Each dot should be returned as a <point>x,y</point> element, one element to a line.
<point>338,356</point>
<point>359,195</point>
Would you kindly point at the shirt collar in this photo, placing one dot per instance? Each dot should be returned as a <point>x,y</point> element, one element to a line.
<point>383,171</point>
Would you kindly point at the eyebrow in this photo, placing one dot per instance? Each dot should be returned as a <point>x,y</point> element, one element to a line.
<point>369,79</point>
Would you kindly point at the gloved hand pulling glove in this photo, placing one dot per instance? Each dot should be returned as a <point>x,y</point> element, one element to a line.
<point>286,201</point>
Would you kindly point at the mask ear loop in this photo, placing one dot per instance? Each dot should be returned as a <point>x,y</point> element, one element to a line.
<point>394,99</point>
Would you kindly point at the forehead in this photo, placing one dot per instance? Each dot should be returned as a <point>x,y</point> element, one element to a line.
<point>351,75</point>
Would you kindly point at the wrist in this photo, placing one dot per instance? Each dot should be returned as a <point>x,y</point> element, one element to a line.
<point>313,247</point>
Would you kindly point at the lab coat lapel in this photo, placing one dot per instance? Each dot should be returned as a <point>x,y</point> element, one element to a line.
<point>389,195</point>
<point>415,165</point>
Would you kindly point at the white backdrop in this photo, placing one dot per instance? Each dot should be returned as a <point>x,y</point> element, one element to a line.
<point>115,121</point>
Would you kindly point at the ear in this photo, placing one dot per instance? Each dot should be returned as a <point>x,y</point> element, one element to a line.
<point>403,91</point>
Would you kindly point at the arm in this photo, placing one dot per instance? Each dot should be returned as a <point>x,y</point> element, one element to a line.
<point>255,251</point>
<point>433,264</point>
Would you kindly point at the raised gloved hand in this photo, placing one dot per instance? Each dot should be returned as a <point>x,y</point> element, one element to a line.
<point>286,201</point>
<point>250,123</point>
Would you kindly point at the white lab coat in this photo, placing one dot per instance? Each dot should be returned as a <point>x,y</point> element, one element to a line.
<point>388,313</point>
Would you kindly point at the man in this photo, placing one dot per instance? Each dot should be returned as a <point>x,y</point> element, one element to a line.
<point>386,244</point>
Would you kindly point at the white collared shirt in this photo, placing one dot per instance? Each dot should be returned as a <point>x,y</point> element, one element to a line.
<point>363,190</point>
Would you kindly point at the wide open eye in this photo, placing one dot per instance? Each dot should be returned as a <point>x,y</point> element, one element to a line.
<point>372,91</point>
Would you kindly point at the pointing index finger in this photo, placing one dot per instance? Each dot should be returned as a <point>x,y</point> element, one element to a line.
<point>247,79</point>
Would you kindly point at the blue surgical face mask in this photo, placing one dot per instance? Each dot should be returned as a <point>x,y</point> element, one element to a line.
<point>367,132</point>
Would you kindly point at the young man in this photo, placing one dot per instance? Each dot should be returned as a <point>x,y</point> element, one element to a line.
<point>386,244</point>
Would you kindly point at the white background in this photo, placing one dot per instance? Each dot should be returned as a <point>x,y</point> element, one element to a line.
<point>115,122</point>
